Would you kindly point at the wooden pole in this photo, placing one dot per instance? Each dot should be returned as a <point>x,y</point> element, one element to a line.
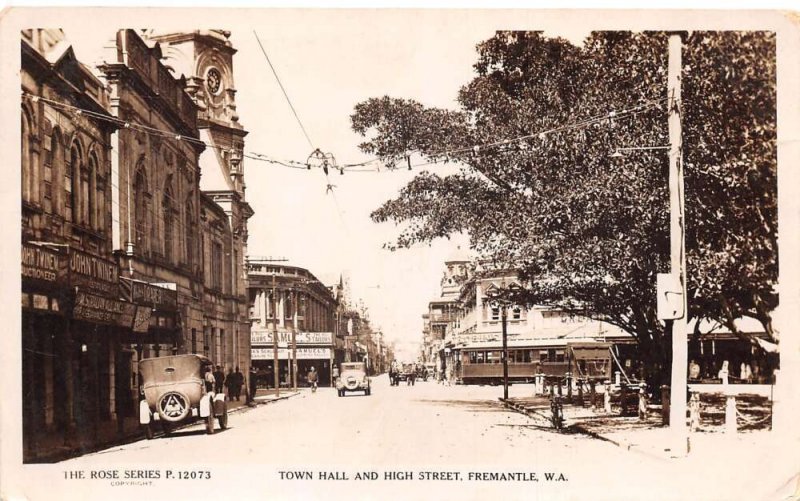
<point>505,351</point>
<point>276,367</point>
<point>677,421</point>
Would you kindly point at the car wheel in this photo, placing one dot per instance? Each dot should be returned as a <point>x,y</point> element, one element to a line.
<point>223,419</point>
<point>210,423</point>
<point>148,431</point>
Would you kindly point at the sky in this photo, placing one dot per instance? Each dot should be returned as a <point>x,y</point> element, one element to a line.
<point>328,61</point>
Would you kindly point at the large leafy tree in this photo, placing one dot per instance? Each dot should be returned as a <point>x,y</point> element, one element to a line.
<point>587,229</point>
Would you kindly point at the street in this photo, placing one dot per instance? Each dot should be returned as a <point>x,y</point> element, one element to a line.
<point>431,431</point>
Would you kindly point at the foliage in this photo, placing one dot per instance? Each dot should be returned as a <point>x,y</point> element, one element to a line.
<point>587,230</point>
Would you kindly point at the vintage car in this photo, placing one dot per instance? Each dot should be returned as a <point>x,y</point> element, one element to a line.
<point>175,392</point>
<point>353,378</point>
<point>429,371</point>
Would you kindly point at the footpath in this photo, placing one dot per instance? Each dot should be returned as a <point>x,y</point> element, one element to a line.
<point>649,436</point>
<point>52,447</point>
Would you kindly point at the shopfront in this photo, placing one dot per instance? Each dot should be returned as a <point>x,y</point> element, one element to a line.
<point>72,321</point>
<point>310,349</point>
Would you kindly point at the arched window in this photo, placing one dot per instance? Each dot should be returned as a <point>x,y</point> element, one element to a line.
<point>97,201</point>
<point>72,185</point>
<point>94,219</point>
<point>85,194</point>
<point>167,213</point>
<point>57,166</point>
<point>190,231</point>
<point>140,204</point>
<point>27,168</point>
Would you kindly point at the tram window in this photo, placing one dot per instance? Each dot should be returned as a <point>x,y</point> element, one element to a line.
<point>493,357</point>
<point>559,355</point>
<point>542,356</point>
<point>480,357</point>
<point>472,357</point>
<point>523,356</point>
<point>551,355</point>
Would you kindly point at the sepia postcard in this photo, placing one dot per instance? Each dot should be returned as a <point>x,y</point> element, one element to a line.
<point>456,254</point>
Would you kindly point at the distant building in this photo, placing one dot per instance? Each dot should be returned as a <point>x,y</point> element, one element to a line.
<point>464,316</point>
<point>289,303</point>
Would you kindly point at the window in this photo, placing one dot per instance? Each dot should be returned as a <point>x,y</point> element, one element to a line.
<point>221,353</point>
<point>480,357</point>
<point>516,313</point>
<point>559,356</point>
<point>85,197</point>
<point>71,186</point>
<point>95,195</point>
<point>194,340</point>
<point>27,168</point>
<point>217,345</point>
<point>288,307</point>
<point>494,357</point>
<point>206,342</point>
<point>520,356</point>
<point>190,230</point>
<point>216,265</point>
<point>167,213</point>
<point>271,309</point>
<point>495,313</point>
<point>57,164</point>
<point>140,207</point>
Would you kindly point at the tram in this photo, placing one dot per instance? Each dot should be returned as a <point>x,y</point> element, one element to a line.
<point>481,362</point>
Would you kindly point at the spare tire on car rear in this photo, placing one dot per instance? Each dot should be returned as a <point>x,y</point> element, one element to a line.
<point>173,406</point>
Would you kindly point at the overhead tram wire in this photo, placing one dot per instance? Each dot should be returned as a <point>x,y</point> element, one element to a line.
<point>285,94</point>
<point>433,157</point>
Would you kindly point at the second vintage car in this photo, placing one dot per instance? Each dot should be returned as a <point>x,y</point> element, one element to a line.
<point>353,378</point>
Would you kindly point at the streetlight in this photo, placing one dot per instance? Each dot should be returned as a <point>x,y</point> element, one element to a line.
<point>503,298</point>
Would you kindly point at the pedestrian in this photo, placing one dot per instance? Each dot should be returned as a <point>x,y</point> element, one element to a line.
<point>694,371</point>
<point>219,379</point>
<point>724,372</point>
<point>229,382</point>
<point>238,382</point>
<point>209,379</point>
<point>312,378</point>
<point>335,373</point>
<point>270,377</point>
<point>253,380</point>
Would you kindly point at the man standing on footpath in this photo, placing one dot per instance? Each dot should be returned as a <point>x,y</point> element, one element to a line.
<point>252,380</point>
<point>219,378</point>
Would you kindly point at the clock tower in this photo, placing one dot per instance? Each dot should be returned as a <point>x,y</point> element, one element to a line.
<point>205,58</point>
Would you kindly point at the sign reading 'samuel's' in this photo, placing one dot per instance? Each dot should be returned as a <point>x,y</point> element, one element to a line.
<point>93,273</point>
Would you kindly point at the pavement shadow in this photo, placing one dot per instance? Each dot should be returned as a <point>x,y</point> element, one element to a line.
<point>470,405</point>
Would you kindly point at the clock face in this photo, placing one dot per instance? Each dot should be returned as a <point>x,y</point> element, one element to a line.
<point>213,81</point>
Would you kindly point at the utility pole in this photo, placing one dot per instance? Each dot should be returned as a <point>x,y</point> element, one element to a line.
<point>295,305</point>
<point>276,367</point>
<point>677,415</point>
<point>504,322</point>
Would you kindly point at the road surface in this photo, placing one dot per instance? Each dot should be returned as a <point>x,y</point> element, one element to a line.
<point>456,442</point>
